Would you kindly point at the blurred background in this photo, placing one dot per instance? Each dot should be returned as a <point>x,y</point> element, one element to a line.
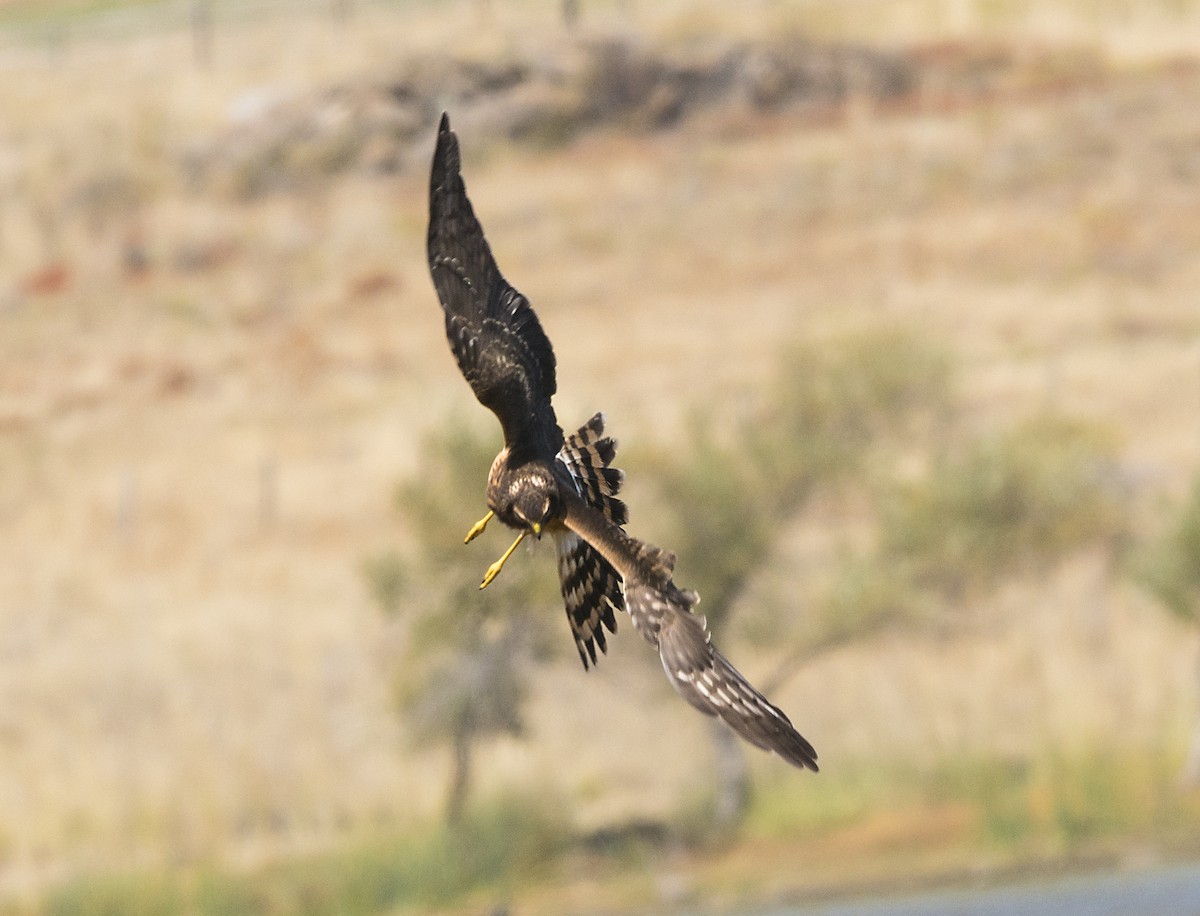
<point>892,304</point>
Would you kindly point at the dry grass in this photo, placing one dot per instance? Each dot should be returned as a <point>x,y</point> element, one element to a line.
<point>195,458</point>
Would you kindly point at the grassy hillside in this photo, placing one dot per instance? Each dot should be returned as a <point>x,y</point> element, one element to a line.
<point>207,400</point>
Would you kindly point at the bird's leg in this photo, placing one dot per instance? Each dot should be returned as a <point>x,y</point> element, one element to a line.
<point>477,528</point>
<point>494,569</point>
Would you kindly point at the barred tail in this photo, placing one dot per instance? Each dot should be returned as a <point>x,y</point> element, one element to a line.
<point>591,591</point>
<point>589,454</point>
<point>591,588</point>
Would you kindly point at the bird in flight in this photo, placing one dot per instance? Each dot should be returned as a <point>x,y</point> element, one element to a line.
<point>543,482</point>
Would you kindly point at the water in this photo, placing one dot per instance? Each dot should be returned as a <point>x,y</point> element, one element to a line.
<point>1164,892</point>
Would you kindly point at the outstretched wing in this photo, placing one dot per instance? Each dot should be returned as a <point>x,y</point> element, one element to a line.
<point>662,613</point>
<point>705,678</point>
<point>493,332</point>
<point>591,588</point>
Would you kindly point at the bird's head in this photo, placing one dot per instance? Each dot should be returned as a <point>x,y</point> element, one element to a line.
<point>535,508</point>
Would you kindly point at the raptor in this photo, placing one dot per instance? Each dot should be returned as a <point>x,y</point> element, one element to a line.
<point>545,483</point>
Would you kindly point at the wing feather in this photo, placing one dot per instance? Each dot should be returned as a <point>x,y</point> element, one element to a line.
<point>492,330</point>
<point>663,613</point>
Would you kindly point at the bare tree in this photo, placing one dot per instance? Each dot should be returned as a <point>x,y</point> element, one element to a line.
<point>463,677</point>
<point>732,489</point>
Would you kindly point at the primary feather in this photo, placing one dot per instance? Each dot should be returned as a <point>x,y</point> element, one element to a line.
<point>493,332</point>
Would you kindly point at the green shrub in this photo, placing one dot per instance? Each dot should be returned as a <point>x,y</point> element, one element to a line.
<point>501,845</point>
<point>831,403</point>
<point>865,595</point>
<point>117,896</point>
<point>1058,799</point>
<point>1022,498</point>
<point>828,409</point>
<point>1170,566</point>
<point>387,577</point>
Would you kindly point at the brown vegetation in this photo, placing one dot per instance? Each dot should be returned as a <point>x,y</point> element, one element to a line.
<point>194,466</point>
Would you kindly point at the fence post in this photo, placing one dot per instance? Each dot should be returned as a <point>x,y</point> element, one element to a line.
<point>570,14</point>
<point>268,492</point>
<point>202,32</point>
<point>127,507</point>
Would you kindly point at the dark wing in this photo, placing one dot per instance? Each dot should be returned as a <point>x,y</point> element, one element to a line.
<point>662,613</point>
<point>493,331</point>
<point>591,588</point>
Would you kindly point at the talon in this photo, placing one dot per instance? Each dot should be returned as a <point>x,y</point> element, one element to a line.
<point>494,569</point>
<point>492,572</point>
<point>477,528</point>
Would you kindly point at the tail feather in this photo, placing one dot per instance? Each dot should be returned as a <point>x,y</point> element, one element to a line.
<point>591,588</point>
<point>589,454</point>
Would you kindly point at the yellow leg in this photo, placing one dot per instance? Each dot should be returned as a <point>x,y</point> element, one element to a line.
<point>477,528</point>
<point>494,569</point>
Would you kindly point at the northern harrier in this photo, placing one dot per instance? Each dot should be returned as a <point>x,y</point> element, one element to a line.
<point>543,482</point>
